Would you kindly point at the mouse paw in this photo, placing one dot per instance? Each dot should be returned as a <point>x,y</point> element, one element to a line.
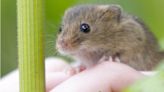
<point>69,71</point>
<point>116,59</point>
<point>106,59</point>
<point>109,59</point>
<point>80,68</point>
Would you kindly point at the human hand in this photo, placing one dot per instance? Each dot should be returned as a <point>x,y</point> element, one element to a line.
<point>57,70</point>
<point>106,77</point>
<point>61,77</point>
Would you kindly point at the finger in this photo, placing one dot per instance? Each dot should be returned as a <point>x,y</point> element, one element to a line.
<point>54,79</point>
<point>96,79</point>
<point>10,82</point>
<point>55,64</point>
<point>123,76</point>
<point>57,71</point>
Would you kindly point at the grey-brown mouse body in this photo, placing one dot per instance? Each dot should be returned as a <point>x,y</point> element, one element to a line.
<point>89,32</point>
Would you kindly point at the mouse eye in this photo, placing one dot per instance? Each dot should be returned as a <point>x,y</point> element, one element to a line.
<point>84,28</point>
<point>60,29</point>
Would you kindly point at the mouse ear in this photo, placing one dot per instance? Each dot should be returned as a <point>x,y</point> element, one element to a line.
<point>110,12</point>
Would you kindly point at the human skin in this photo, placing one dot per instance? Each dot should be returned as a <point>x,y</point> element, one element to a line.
<point>57,70</point>
<point>107,76</point>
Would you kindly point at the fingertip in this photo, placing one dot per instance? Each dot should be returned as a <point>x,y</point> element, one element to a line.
<point>54,64</point>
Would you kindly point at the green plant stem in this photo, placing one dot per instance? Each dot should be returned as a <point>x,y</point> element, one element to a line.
<point>30,45</point>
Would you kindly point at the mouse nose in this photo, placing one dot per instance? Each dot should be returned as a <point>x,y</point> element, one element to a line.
<point>63,43</point>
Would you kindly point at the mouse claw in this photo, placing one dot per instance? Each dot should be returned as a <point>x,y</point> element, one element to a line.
<point>116,59</point>
<point>110,59</point>
<point>104,58</point>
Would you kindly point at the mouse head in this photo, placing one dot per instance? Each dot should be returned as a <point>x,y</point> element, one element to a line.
<point>84,28</point>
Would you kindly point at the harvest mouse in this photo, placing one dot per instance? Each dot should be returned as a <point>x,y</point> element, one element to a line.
<point>90,32</point>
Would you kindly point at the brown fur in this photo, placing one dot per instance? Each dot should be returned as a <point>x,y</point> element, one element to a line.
<point>113,32</point>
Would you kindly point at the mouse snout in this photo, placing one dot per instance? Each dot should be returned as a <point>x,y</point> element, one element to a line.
<point>63,44</point>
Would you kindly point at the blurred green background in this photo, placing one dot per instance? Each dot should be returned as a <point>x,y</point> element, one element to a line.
<point>151,11</point>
